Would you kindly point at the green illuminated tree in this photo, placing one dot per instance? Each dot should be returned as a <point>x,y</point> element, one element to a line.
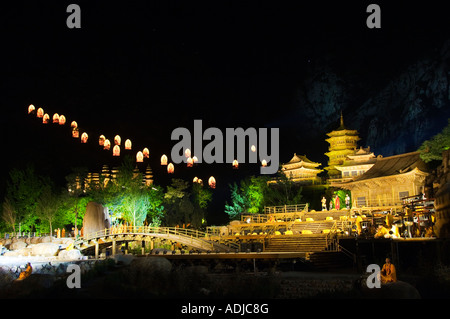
<point>47,206</point>
<point>432,149</point>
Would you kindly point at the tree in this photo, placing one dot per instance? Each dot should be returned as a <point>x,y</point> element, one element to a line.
<point>47,206</point>
<point>432,149</point>
<point>283,192</point>
<point>238,202</point>
<point>135,204</point>
<point>9,214</point>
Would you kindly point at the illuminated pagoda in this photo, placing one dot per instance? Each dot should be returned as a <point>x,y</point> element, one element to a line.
<point>343,142</point>
<point>387,182</point>
<point>356,164</point>
<point>302,170</point>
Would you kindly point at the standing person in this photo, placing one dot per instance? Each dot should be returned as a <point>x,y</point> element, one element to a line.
<point>324,203</point>
<point>337,203</point>
<point>347,201</point>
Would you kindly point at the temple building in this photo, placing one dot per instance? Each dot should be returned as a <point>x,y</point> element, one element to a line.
<point>343,142</point>
<point>388,181</point>
<point>302,170</point>
<point>356,164</point>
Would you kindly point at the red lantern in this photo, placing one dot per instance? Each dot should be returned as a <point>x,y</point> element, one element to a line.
<point>62,120</point>
<point>31,109</point>
<point>170,168</point>
<point>45,118</point>
<point>107,145</point>
<point>235,164</point>
<point>116,150</point>
<point>128,144</point>
<point>117,140</point>
<point>212,182</point>
<point>75,133</point>
<point>101,140</point>
<point>164,160</point>
<point>146,152</point>
<point>190,162</point>
<point>74,124</point>
<point>56,118</point>
<point>84,138</point>
<point>40,112</point>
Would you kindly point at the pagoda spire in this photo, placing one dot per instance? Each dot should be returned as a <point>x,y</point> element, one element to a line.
<point>342,119</point>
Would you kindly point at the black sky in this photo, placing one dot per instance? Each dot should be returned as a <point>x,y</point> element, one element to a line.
<point>142,68</point>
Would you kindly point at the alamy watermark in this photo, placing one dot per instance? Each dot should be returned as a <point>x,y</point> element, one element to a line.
<point>373,281</point>
<point>215,152</point>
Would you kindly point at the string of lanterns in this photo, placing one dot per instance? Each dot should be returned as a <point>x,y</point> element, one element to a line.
<point>140,155</point>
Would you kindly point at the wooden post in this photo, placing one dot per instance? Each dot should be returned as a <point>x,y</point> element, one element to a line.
<point>113,252</point>
<point>96,250</point>
<point>143,247</point>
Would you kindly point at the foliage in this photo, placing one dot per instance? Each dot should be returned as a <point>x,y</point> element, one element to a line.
<point>432,149</point>
<point>47,206</point>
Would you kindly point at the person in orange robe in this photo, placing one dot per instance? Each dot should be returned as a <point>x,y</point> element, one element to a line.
<point>388,272</point>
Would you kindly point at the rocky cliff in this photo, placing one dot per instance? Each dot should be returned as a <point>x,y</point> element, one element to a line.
<point>394,113</point>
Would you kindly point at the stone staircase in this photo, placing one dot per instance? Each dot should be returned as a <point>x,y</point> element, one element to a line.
<point>296,243</point>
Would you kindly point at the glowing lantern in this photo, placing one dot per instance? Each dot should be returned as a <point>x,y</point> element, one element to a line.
<point>40,112</point>
<point>195,180</point>
<point>200,181</point>
<point>106,145</point>
<point>187,153</point>
<point>264,163</point>
<point>62,120</point>
<point>164,160</point>
<point>116,150</point>
<point>235,164</point>
<point>139,157</point>
<point>146,152</point>
<point>45,118</point>
<point>75,133</point>
<point>74,124</point>
<point>253,148</point>
<point>212,182</point>
<point>101,140</point>
<point>31,109</point>
<point>117,140</point>
<point>190,162</point>
<point>84,137</point>
<point>195,159</point>
<point>128,144</point>
<point>170,168</point>
<point>56,118</point>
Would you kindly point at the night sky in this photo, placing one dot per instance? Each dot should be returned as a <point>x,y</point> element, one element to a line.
<point>144,68</point>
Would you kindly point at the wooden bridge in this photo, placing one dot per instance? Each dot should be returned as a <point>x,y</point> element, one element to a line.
<point>111,237</point>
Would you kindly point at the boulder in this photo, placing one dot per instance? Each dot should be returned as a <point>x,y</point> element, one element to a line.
<point>95,219</point>
<point>45,249</point>
<point>17,245</point>
<point>73,254</point>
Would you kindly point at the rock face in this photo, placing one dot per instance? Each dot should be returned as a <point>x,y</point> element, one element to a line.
<point>95,219</point>
<point>400,112</point>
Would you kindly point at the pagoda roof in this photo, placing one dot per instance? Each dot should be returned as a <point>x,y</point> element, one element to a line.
<point>300,158</point>
<point>394,165</point>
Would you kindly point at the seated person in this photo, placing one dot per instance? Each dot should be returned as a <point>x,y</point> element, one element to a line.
<point>388,272</point>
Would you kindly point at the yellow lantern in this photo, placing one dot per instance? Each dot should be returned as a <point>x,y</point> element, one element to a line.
<point>170,168</point>
<point>40,112</point>
<point>45,118</point>
<point>128,144</point>
<point>56,118</point>
<point>107,145</point>
<point>62,120</point>
<point>164,160</point>
<point>235,164</point>
<point>187,153</point>
<point>75,132</point>
<point>195,159</point>
<point>101,140</point>
<point>84,138</point>
<point>212,182</point>
<point>31,109</point>
<point>116,150</point>
<point>264,163</point>
<point>195,180</point>
<point>117,140</point>
<point>253,148</point>
<point>146,152</point>
<point>74,124</point>
<point>139,157</point>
